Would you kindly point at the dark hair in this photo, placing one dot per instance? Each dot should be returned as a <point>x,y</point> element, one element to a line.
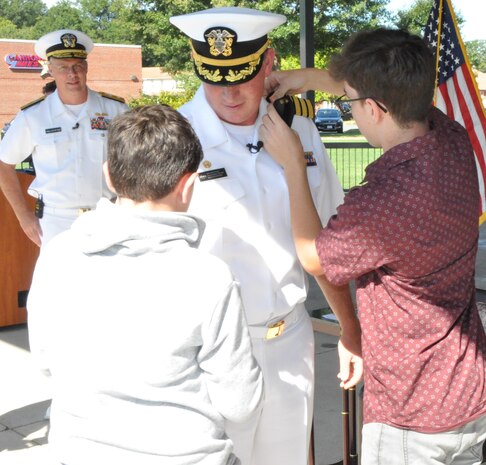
<point>393,67</point>
<point>149,149</point>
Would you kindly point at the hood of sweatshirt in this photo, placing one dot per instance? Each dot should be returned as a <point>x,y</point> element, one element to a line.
<point>113,229</point>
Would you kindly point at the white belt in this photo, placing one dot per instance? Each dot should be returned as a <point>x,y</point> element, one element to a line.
<point>276,329</point>
<point>66,211</point>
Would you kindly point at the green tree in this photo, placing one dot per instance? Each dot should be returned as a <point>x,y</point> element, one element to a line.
<point>147,23</point>
<point>60,16</point>
<point>106,20</point>
<point>476,51</point>
<point>415,18</point>
<point>8,29</point>
<point>22,13</point>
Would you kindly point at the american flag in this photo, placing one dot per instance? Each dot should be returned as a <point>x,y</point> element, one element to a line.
<point>457,92</point>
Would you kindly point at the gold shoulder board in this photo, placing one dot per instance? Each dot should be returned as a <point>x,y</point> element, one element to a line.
<point>34,102</point>
<point>112,97</point>
<point>303,107</point>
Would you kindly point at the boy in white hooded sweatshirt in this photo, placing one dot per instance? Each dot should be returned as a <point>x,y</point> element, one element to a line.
<point>144,335</point>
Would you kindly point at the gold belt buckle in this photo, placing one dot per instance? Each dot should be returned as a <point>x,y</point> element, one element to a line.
<point>83,210</point>
<point>276,330</point>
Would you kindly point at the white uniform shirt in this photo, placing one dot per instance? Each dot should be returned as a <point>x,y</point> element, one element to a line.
<point>68,151</point>
<point>247,210</point>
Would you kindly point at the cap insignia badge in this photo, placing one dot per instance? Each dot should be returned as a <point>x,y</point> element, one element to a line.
<point>220,42</point>
<point>69,40</point>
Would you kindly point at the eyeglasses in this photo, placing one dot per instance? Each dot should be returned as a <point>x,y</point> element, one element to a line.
<point>344,103</point>
<point>75,69</point>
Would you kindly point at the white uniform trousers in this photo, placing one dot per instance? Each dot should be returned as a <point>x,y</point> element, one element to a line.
<point>57,220</point>
<point>281,435</point>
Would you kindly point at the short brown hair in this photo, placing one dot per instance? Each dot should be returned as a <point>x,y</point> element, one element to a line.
<point>391,66</point>
<point>149,149</point>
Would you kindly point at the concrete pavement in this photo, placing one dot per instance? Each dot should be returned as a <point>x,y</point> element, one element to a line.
<point>25,395</point>
<point>481,259</point>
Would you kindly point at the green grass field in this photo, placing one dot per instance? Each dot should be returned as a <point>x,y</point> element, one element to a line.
<point>349,162</point>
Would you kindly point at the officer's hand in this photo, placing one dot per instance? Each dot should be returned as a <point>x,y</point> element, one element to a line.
<point>31,227</point>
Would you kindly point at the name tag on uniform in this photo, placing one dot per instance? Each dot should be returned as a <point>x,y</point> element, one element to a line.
<point>212,174</point>
<point>309,159</point>
<point>52,130</point>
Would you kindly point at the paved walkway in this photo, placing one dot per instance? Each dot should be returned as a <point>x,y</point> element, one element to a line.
<point>25,394</point>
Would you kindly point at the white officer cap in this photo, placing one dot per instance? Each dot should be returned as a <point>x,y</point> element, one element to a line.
<point>228,43</point>
<point>65,43</point>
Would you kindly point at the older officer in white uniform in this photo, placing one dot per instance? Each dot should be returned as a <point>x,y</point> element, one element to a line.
<point>66,134</point>
<point>242,195</point>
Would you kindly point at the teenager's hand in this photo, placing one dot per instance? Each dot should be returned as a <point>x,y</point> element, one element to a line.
<point>281,83</point>
<point>281,142</point>
<point>301,80</point>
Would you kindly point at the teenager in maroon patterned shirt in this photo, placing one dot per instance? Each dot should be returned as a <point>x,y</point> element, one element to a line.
<point>408,236</point>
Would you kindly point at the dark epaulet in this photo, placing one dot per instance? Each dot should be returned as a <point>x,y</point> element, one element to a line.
<point>112,97</point>
<point>34,102</point>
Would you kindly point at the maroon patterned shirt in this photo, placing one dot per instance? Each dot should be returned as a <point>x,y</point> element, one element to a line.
<point>409,236</point>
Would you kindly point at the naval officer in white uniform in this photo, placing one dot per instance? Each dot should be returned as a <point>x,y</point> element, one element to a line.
<point>242,195</point>
<point>66,134</point>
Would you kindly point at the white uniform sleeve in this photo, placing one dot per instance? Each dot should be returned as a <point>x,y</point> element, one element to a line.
<point>330,194</point>
<point>233,377</point>
<point>17,143</point>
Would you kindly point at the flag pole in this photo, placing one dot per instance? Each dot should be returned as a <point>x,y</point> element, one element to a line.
<point>437,50</point>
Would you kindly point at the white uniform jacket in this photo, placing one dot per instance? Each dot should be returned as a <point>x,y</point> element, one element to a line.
<point>243,198</point>
<point>68,151</point>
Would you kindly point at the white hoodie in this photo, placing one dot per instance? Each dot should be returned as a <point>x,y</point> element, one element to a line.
<point>146,341</point>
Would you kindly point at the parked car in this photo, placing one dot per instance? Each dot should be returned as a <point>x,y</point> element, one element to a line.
<point>329,119</point>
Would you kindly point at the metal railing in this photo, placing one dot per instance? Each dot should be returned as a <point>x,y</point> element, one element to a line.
<point>350,160</point>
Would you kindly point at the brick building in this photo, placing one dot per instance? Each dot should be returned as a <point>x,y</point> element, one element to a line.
<point>116,69</point>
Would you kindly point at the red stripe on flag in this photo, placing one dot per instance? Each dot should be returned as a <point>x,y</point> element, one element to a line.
<point>449,110</point>
<point>466,116</point>
<point>472,92</point>
<point>473,122</point>
<point>468,120</point>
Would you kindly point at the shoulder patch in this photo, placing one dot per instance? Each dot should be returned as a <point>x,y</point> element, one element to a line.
<point>34,102</point>
<point>112,97</point>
